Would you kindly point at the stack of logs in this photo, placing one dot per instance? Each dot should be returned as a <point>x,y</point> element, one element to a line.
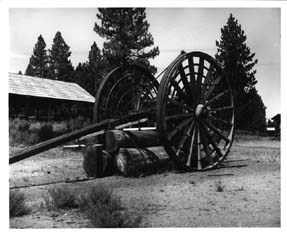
<point>130,152</point>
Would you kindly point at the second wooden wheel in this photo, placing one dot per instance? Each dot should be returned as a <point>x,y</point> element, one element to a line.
<point>195,112</point>
<point>126,89</point>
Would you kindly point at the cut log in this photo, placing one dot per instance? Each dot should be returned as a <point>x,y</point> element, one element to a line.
<point>116,139</point>
<point>97,162</point>
<point>133,162</point>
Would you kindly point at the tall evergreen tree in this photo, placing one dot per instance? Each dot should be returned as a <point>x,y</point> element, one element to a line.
<point>89,74</point>
<point>29,70</point>
<point>238,62</point>
<point>80,76</point>
<point>38,64</point>
<point>60,65</point>
<point>96,67</point>
<point>127,36</point>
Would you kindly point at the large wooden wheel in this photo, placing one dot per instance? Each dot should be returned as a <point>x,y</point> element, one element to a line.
<point>195,112</point>
<point>126,89</point>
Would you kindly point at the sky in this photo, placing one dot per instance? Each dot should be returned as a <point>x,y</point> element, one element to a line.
<point>173,29</point>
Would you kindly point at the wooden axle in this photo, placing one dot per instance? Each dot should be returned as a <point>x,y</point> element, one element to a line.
<point>116,139</point>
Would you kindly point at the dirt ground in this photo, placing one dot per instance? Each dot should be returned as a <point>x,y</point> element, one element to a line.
<point>250,196</point>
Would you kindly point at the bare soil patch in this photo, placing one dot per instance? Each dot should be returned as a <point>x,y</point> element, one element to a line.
<point>249,194</point>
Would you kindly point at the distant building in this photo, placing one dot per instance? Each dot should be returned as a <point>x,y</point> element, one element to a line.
<point>46,99</point>
<point>274,125</point>
<point>277,123</point>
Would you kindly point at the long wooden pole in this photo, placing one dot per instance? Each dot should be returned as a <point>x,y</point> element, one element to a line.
<point>46,145</point>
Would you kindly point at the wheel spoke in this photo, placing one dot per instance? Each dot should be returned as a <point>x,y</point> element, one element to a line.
<point>212,87</point>
<point>206,147</point>
<point>199,167</point>
<point>209,137</point>
<point>215,98</point>
<point>208,75</point>
<point>217,131</point>
<point>199,77</point>
<point>227,123</point>
<point>179,91</point>
<point>186,134</point>
<point>192,76</point>
<point>178,116</point>
<point>179,128</point>
<point>181,105</point>
<point>206,80</point>
<point>221,108</point>
<point>191,146</point>
<point>134,99</point>
<point>185,82</point>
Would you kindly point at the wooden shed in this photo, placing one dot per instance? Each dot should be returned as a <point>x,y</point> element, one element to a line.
<point>46,99</point>
<point>277,123</point>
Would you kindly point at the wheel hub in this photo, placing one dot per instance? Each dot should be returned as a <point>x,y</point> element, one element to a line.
<point>200,111</point>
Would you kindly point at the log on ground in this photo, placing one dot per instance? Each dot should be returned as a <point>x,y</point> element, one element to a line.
<point>97,162</point>
<point>136,161</point>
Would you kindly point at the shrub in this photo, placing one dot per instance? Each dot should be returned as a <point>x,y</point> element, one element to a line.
<point>26,133</point>
<point>78,123</point>
<point>46,132</point>
<point>35,127</point>
<point>60,198</point>
<point>105,209</point>
<point>17,204</point>
<point>18,131</point>
<point>60,128</point>
<point>219,186</point>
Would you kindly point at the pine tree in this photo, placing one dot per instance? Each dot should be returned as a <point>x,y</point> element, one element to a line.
<point>29,70</point>
<point>127,37</point>
<point>38,64</point>
<point>238,63</point>
<point>256,118</point>
<point>96,67</point>
<point>60,66</point>
<point>90,74</point>
<point>80,76</point>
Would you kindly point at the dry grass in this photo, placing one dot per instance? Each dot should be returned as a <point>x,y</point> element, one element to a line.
<point>17,204</point>
<point>106,210</point>
<point>99,204</point>
<point>270,155</point>
<point>60,198</point>
<point>219,186</point>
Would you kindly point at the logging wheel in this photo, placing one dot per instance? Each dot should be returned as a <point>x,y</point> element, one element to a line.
<point>195,112</point>
<point>126,89</point>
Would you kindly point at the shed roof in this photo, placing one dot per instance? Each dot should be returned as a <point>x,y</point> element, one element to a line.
<point>47,88</point>
<point>276,117</point>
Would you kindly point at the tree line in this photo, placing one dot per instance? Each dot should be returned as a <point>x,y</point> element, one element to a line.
<point>127,39</point>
